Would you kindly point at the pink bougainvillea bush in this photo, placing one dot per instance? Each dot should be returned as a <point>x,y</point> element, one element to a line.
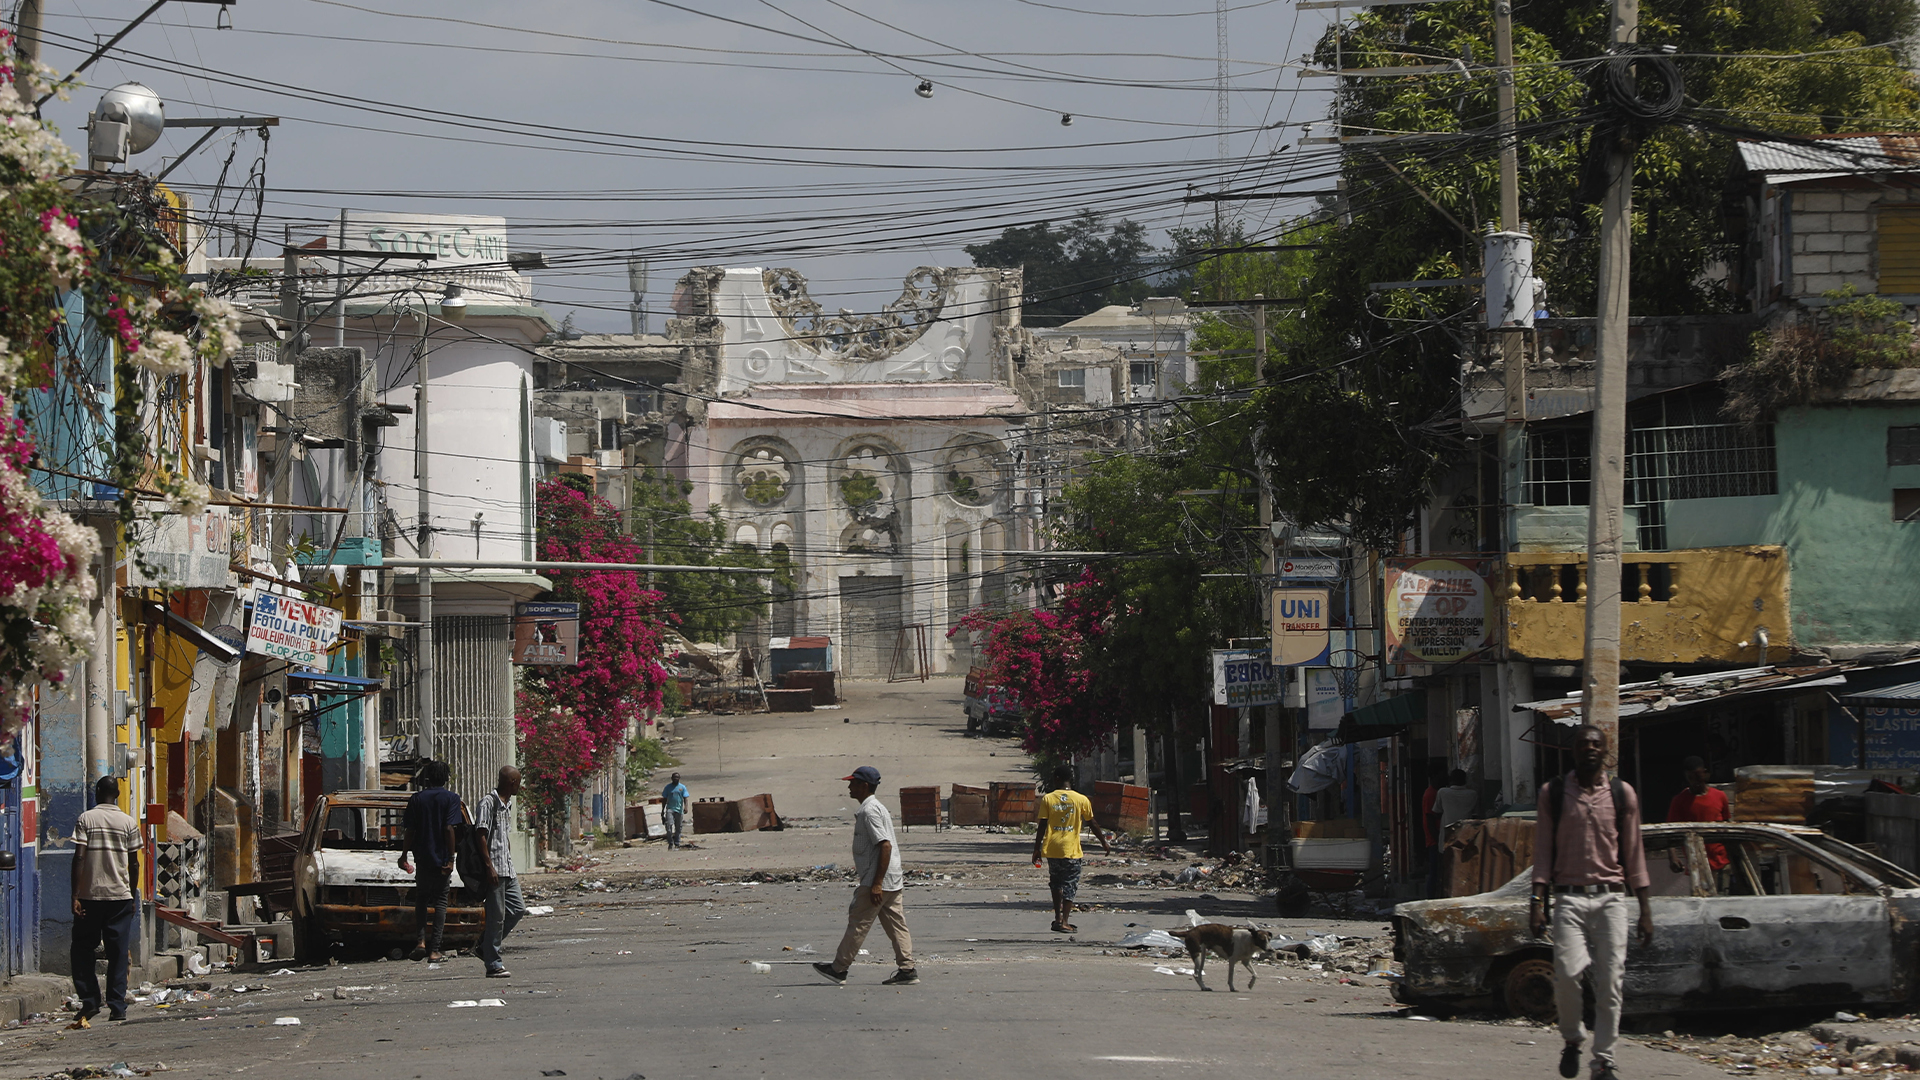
<point>136,299</point>
<point>574,720</point>
<point>1050,659</point>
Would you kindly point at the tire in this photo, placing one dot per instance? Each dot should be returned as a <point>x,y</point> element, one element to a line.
<point>310,944</point>
<point>1528,989</point>
<point>1293,900</point>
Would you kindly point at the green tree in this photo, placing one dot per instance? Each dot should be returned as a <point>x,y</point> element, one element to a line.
<point>1074,268</point>
<point>1361,415</point>
<point>707,605</point>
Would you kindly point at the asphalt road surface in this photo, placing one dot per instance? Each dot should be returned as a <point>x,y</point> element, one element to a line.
<point>651,975</point>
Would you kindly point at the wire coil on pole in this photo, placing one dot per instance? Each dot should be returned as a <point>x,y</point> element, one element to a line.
<point>1623,79</point>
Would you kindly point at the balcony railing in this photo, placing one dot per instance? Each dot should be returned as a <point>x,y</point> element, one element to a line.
<point>1691,606</point>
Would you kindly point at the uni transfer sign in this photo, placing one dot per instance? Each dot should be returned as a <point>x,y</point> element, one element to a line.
<point>1300,625</point>
<point>1438,610</point>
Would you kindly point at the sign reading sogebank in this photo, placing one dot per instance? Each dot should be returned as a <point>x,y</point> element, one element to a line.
<point>452,239</point>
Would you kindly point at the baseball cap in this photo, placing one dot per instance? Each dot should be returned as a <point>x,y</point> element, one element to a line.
<point>867,773</point>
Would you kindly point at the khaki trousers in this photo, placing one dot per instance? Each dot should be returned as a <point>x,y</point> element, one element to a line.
<point>860,916</point>
<point>1590,938</point>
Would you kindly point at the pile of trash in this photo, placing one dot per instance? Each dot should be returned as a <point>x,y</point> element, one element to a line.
<point>1320,955</point>
<point>826,872</point>
<point>118,1068</point>
<point>1228,873</point>
<point>1827,1049</point>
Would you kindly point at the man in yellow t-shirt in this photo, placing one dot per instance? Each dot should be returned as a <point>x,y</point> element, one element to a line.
<point>1059,815</point>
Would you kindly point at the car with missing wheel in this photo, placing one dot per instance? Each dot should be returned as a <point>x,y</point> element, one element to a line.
<point>991,709</point>
<point>349,889</point>
<point>1746,915</point>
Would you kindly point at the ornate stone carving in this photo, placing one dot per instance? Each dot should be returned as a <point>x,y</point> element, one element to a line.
<point>847,336</point>
<point>970,473</point>
<point>763,476</point>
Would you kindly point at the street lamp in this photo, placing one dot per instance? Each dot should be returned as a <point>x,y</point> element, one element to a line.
<point>453,303</point>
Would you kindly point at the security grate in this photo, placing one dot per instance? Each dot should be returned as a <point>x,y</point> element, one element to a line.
<point>1702,461</point>
<point>1559,466</point>
<point>1903,445</point>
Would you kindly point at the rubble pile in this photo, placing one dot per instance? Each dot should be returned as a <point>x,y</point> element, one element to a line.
<point>1828,1049</point>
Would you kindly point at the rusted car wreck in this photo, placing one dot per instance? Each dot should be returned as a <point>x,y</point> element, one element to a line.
<point>349,888</point>
<point>1746,915</point>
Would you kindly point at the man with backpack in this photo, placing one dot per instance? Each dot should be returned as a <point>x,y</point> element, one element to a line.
<point>432,814</point>
<point>1587,856</point>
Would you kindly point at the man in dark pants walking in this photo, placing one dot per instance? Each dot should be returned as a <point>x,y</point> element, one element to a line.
<point>430,816</point>
<point>493,820</point>
<point>106,863</point>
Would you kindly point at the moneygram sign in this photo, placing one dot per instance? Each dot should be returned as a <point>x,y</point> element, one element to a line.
<point>1438,610</point>
<point>292,630</point>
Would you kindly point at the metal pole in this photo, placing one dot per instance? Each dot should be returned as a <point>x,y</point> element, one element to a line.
<point>423,662</point>
<point>340,288</point>
<point>1606,509</point>
<point>1504,99</point>
<point>1268,567</point>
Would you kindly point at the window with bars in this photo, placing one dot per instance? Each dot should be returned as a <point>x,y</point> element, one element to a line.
<point>1559,466</point>
<point>1700,461</point>
<point>1903,445</point>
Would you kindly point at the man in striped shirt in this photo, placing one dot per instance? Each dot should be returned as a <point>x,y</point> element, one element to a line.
<point>106,863</point>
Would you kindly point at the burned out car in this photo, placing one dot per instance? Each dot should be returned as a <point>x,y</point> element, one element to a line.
<point>1745,915</point>
<point>348,887</point>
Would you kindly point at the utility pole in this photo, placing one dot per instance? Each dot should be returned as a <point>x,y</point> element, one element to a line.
<point>1504,100</point>
<point>26,42</point>
<point>423,660</point>
<point>1606,510</point>
<point>1276,748</point>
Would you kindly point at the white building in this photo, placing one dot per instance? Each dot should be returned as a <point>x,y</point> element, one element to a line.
<point>878,452</point>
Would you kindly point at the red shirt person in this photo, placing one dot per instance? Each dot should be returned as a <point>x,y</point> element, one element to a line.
<point>1698,802</point>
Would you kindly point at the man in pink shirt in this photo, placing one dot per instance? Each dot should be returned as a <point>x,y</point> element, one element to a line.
<point>1587,856</point>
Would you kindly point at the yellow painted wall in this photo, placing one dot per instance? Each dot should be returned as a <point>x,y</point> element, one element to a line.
<point>1720,596</point>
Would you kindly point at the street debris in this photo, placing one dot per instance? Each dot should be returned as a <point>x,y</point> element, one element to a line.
<point>1824,1049</point>
<point>534,909</point>
<point>286,1021</point>
<point>759,968</point>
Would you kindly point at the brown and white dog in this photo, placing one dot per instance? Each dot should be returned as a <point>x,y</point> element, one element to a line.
<point>1234,944</point>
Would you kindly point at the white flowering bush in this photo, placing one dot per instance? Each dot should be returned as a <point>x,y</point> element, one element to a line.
<point>135,297</point>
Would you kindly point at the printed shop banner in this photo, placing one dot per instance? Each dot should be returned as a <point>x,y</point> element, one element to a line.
<point>1438,610</point>
<point>293,630</point>
<point>546,633</point>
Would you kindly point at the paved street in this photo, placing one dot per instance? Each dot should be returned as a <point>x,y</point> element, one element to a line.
<point>656,980</point>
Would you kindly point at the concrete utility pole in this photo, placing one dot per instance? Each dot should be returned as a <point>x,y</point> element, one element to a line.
<point>423,660</point>
<point>26,39</point>
<point>1605,505</point>
<point>1504,99</point>
<point>1276,751</point>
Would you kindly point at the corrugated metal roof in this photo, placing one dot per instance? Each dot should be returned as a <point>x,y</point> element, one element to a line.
<point>1846,155</point>
<point>1902,692</point>
<point>1661,695</point>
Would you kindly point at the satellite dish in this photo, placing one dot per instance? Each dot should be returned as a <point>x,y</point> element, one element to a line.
<point>139,108</point>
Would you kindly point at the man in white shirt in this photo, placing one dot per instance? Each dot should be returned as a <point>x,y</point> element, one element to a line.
<point>877,894</point>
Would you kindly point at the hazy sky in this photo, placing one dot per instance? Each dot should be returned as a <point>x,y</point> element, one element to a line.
<point>750,133</point>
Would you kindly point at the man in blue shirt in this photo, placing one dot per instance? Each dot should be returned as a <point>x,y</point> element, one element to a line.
<point>430,816</point>
<point>675,797</point>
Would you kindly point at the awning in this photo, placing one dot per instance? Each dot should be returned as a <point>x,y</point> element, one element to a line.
<point>185,628</point>
<point>1683,691</point>
<point>1901,695</point>
<point>1401,710</point>
<point>320,682</point>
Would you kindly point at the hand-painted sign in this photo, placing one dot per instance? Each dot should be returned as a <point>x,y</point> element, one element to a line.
<point>293,630</point>
<point>1438,610</point>
<point>1300,624</point>
<point>1245,677</point>
<point>546,634</point>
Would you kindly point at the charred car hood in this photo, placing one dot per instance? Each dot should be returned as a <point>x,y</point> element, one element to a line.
<point>335,866</point>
